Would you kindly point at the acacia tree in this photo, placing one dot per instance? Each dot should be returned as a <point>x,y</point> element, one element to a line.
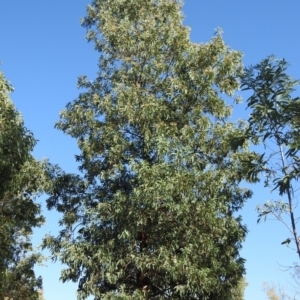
<point>20,180</point>
<point>154,214</point>
<point>274,121</point>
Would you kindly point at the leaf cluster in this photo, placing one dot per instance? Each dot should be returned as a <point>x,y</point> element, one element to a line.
<point>21,179</point>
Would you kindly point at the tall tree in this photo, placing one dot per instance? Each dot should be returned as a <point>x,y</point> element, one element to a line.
<point>20,180</point>
<point>274,121</point>
<point>154,215</point>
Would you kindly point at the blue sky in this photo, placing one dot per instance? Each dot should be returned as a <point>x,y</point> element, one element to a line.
<point>43,51</point>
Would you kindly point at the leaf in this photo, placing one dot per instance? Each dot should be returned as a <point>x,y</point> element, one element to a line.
<point>287,241</point>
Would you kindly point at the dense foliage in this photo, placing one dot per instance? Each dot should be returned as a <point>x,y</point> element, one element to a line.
<point>154,214</point>
<point>20,180</point>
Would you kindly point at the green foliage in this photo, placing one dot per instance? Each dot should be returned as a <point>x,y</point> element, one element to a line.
<point>21,179</point>
<point>15,140</point>
<point>274,120</point>
<point>154,214</point>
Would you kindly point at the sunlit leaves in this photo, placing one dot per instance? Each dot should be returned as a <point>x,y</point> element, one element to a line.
<point>153,214</point>
<point>21,179</point>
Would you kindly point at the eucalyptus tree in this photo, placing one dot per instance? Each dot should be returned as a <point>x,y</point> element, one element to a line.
<point>154,213</point>
<point>274,121</point>
<point>20,180</point>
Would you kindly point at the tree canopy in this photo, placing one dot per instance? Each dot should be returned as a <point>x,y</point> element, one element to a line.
<point>154,214</point>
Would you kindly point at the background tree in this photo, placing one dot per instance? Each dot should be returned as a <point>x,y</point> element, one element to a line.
<point>274,292</point>
<point>21,178</point>
<point>41,295</point>
<point>154,215</point>
<point>239,291</point>
<point>274,121</point>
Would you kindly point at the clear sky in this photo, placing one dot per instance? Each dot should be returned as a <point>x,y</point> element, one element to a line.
<point>43,51</point>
